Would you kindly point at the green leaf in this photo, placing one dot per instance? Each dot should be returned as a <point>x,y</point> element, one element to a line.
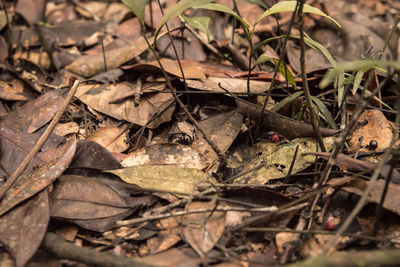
<point>178,9</point>
<point>137,7</point>
<point>262,59</point>
<point>286,101</point>
<point>357,81</point>
<point>340,88</point>
<point>282,68</point>
<point>357,65</point>
<point>200,23</point>
<point>222,8</point>
<point>286,73</point>
<point>266,41</point>
<point>325,112</point>
<point>310,42</point>
<point>291,6</point>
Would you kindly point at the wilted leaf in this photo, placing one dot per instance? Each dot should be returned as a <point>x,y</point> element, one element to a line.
<point>203,230</point>
<point>22,229</point>
<point>165,178</point>
<point>28,185</point>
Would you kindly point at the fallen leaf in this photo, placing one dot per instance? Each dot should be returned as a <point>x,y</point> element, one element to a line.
<point>203,230</point>
<point>23,228</point>
<point>167,178</point>
<point>38,179</point>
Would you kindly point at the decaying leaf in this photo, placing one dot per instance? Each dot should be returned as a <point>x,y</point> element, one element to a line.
<point>90,203</point>
<point>357,186</point>
<point>277,159</point>
<point>98,97</point>
<point>28,185</point>
<point>222,130</point>
<point>23,228</point>
<point>203,230</point>
<point>167,178</point>
<point>166,154</point>
<point>114,139</point>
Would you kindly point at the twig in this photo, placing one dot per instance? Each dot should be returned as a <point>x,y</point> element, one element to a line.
<point>310,105</point>
<point>66,250</point>
<point>11,180</point>
<point>187,212</point>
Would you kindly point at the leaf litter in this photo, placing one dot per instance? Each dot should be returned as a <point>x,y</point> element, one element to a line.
<point>188,171</point>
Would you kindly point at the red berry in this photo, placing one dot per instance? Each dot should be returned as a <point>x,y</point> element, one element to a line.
<point>330,226</point>
<point>275,138</point>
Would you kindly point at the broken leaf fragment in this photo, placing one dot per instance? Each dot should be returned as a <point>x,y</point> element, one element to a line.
<point>167,178</point>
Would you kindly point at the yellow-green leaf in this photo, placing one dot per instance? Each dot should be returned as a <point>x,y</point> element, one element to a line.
<point>137,7</point>
<point>178,9</point>
<point>291,6</point>
<point>200,23</point>
<point>167,178</point>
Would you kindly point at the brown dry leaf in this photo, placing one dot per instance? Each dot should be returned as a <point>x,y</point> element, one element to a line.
<point>12,90</point>
<point>63,129</point>
<point>31,10</point>
<point>15,147</point>
<point>114,139</point>
<point>358,186</point>
<point>378,128</point>
<point>39,58</point>
<point>173,257</point>
<point>98,97</point>
<point>222,130</point>
<point>165,154</point>
<point>203,230</point>
<point>91,155</point>
<point>355,165</point>
<point>232,85</point>
<point>127,33</point>
<point>69,32</point>
<point>191,69</point>
<point>88,66</point>
<point>90,203</point>
<point>27,186</point>
<point>166,238</point>
<point>22,229</point>
<point>192,48</point>
<point>33,114</point>
<point>167,178</point>
<point>80,197</point>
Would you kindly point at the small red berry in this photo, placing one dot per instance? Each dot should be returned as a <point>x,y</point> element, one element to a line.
<point>330,226</point>
<point>275,138</point>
